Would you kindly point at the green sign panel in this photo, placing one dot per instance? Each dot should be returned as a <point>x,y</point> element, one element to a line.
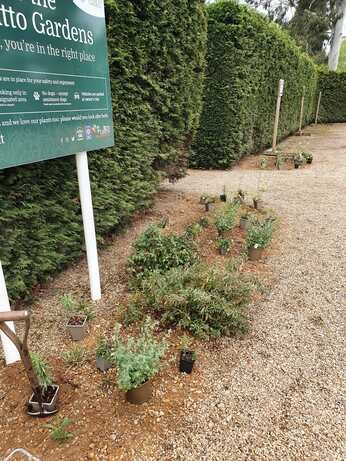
<point>55,97</point>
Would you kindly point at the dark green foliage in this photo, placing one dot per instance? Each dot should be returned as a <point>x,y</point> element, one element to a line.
<point>156,52</point>
<point>206,302</point>
<point>247,55</point>
<point>333,101</point>
<point>155,251</point>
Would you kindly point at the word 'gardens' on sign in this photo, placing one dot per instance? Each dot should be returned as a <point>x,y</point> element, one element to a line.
<point>54,80</point>
<point>55,99</point>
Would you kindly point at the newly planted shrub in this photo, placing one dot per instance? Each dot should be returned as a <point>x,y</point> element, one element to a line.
<point>58,431</point>
<point>75,356</point>
<point>260,234</point>
<point>204,301</point>
<point>138,359</point>
<point>155,251</point>
<point>42,370</point>
<point>227,219</point>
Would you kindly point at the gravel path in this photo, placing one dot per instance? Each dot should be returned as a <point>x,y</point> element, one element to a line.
<point>279,394</point>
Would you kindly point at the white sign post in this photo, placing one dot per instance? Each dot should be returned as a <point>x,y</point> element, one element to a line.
<point>277,113</point>
<point>89,225</point>
<point>10,351</point>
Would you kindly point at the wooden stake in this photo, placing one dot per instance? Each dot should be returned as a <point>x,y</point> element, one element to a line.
<point>318,107</point>
<point>277,113</point>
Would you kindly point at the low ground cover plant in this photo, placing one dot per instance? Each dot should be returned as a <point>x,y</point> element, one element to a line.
<point>155,251</point>
<point>58,430</point>
<point>205,301</point>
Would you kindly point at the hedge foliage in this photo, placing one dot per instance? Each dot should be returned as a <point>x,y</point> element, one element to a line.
<point>333,100</point>
<point>157,54</point>
<point>247,55</point>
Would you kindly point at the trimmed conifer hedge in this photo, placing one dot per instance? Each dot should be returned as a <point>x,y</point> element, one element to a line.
<point>157,54</point>
<point>247,55</point>
<point>333,101</point>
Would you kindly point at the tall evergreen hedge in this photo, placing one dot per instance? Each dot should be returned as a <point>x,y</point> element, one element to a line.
<point>333,101</point>
<point>247,55</point>
<point>157,54</point>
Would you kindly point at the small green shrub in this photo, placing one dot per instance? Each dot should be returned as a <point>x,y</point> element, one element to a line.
<point>223,245</point>
<point>138,359</point>
<point>75,356</point>
<point>227,219</point>
<point>42,370</point>
<point>71,307</point>
<point>204,301</point>
<point>58,431</point>
<point>154,251</point>
<point>104,348</point>
<point>260,234</point>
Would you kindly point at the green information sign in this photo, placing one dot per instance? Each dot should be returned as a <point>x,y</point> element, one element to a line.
<point>55,97</point>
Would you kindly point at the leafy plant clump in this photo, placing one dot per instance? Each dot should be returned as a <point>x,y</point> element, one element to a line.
<point>75,356</point>
<point>260,234</point>
<point>154,251</point>
<point>73,308</point>
<point>227,219</point>
<point>58,431</point>
<point>104,348</point>
<point>223,245</point>
<point>138,359</point>
<point>42,370</point>
<point>206,302</point>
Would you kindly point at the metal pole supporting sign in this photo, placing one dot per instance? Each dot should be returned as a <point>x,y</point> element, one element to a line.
<point>10,351</point>
<point>89,225</point>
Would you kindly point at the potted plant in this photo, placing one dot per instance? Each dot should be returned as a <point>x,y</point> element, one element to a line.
<point>103,354</point>
<point>245,220</point>
<point>223,196</point>
<point>224,246</point>
<point>49,391</point>
<point>258,203</point>
<point>240,197</point>
<point>138,360</point>
<point>45,394</point>
<point>298,160</point>
<point>187,356</point>
<point>308,157</point>
<point>208,201</point>
<point>78,316</point>
<point>258,237</point>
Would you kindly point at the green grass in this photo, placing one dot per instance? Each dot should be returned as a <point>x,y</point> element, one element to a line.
<point>342,58</point>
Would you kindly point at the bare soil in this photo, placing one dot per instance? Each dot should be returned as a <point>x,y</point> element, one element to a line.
<point>105,427</point>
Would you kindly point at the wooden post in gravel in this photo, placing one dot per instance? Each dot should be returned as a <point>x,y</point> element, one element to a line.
<point>318,107</point>
<point>300,132</point>
<point>277,114</point>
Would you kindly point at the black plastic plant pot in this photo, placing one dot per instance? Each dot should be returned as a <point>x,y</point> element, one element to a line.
<point>187,361</point>
<point>223,198</point>
<point>296,166</point>
<point>309,161</point>
<point>50,400</point>
<point>103,364</point>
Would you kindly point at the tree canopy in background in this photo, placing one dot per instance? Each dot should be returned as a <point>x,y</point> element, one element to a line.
<point>342,58</point>
<point>310,22</point>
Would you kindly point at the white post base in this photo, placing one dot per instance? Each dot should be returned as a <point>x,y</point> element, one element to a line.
<point>89,225</point>
<point>10,351</point>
